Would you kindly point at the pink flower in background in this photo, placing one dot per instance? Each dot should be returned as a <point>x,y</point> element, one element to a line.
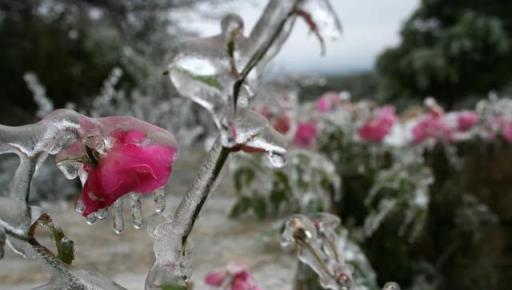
<point>265,111</point>
<point>327,102</point>
<point>506,130</point>
<point>282,123</point>
<point>128,166</point>
<point>431,126</point>
<point>215,278</point>
<point>378,127</point>
<point>234,276</point>
<point>466,120</point>
<point>306,134</point>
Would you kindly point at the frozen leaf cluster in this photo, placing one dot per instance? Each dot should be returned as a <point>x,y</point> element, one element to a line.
<point>306,184</point>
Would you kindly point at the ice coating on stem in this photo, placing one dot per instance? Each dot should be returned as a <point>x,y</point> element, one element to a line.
<point>2,242</point>
<point>253,133</point>
<point>316,244</point>
<point>205,70</point>
<point>171,244</point>
<point>63,275</point>
<point>217,72</point>
<point>274,26</point>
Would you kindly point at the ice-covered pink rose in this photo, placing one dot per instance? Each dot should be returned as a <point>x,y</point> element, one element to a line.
<point>378,127</point>
<point>244,281</point>
<point>306,134</point>
<point>114,156</point>
<point>327,102</point>
<point>466,120</point>
<point>431,126</point>
<point>129,166</point>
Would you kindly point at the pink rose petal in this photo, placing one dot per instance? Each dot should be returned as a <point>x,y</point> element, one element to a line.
<point>125,168</point>
<point>215,278</point>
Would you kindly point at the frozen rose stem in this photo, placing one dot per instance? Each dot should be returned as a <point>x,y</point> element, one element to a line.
<point>171,269</point>
<point>189,208</point>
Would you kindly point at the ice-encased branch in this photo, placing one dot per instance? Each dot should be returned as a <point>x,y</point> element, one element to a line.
<point>171,246</point>
<point>18,221</point>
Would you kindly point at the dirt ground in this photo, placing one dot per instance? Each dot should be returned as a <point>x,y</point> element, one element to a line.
<point>127,257</point>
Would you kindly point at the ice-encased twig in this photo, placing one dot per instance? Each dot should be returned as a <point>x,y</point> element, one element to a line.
<point>171,237</point>
<point>32,144</point>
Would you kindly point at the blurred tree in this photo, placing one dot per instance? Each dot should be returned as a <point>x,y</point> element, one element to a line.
<point>450,49</point>
<point>72,46</point>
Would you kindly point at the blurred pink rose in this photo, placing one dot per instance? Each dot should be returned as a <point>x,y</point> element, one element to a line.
<point>506,130</point>
<point>378,127</point>
<point>128,166</point>
<point>431,126</point>
<point>327,102</point>
<point>215,278</point>
<point>240,278</point>
<point>265,111</point>
<point>282,123</point>
<point>466,120</point>
<point>306,134</point>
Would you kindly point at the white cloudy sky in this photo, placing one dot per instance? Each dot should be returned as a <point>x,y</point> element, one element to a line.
<point>369,26</point>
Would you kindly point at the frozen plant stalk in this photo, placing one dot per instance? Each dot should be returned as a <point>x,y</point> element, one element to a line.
<point>218,73</point>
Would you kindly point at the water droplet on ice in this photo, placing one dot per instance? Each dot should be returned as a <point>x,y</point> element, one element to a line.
<point>101,213</point>
<point>276,159</point>
<point>91,219</point>
<point>159,198</point>
<point>79,206</point>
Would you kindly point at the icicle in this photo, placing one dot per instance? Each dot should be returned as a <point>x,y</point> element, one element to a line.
<point>160,201</point>
<point>91,219</point>
<point>79,206</point>
<point>117,216</point>
<point>101,213</point>
<point>136,209</point>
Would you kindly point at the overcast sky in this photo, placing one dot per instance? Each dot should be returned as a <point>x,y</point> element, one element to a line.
<point>369,26</point>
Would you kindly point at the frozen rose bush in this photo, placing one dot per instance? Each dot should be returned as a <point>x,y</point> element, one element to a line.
<point>386,163</point>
